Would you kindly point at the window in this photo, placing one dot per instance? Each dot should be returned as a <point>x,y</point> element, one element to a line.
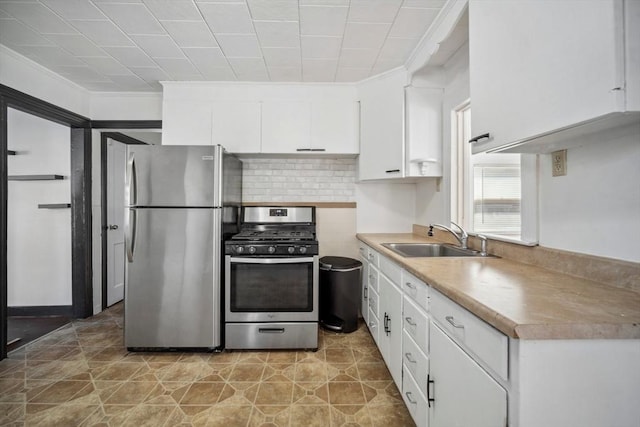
<point>488,189</point>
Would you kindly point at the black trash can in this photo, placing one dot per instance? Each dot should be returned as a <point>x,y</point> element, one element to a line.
<point>340,280</point>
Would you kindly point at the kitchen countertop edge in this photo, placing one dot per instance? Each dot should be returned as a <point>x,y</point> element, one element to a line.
<point>578,328</point>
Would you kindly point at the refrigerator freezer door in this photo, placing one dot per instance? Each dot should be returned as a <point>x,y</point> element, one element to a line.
<point>173,176</point>
<point>172,289</point>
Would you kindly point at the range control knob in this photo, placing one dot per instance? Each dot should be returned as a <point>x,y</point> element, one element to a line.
<point>252,249</point>
<point>291,249</point>
<point>303,250</point>
<point>271,249</point>
<point>239,249</point>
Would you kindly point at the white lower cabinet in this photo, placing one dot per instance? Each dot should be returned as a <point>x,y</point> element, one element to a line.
<point>364,290</point>
<point>415,400</point>
<point>464,394</point>
<point>390,332</point>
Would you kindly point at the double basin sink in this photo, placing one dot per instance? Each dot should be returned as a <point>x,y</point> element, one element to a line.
<point>415,250</point>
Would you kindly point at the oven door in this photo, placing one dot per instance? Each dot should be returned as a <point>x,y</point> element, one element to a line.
<point>271,289</point>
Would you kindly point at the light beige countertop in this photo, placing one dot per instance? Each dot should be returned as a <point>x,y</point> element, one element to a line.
<point>521,300</point>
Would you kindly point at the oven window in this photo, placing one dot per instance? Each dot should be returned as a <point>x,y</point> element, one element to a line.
<point>271,287</point>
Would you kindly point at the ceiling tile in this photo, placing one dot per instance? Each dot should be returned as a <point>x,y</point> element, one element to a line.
<point>103,86</point>
<point>158,46</point>
<point>53,55</point>
<point>319,70</point>
<point>205,58</point>
<point>412,23</point>
<point>385,65</point>
<point>380,11</point>
<point>38,16</point>
<point>130,82</point>
<point>281,56</point>
<point>77,44</point>
<point>228,18</point>
<point>285,74</point>
<point>358,58</point>
<point>132,18</point>
<point>74,9</point>
<point>324,2</point>
<point>323,20</point>
<point>239,45</point>
<point>177,68</point>
<point>397,49</point>
<point>173,10</point>
<point>80,74</point>
<point>130,56</point>
<point>273,10</point>
<point>220,74</point>
<point>278,33</point>
<point>103,33</point>
<point>149,73</point>
<point>364,35</point>
<point>190,33</point>
<point>107,66</point>
<point>250,69</point>
<point>5,15</point>
<point>346,74</point>
<point>117,1</point>
<point>424,4</point>
<point>321,47</point>
<point>13,32</point>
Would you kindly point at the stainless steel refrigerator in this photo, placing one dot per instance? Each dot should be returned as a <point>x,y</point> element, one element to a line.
<point>181,204</point>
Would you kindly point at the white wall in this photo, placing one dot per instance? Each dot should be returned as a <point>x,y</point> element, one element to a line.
<point>385,207</point>
<point>595,208</point>
<point>24,75</point>
<point>126,106</point>
<point>39,240</point>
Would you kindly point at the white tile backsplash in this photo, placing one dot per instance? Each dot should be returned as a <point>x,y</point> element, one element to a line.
<point>299,180</point>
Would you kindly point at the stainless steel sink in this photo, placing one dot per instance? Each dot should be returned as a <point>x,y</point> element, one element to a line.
<point>414,250</point>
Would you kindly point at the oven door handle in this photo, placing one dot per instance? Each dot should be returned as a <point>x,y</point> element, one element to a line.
<point>248,260</point>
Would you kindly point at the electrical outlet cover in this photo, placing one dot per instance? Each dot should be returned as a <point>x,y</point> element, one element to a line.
<point>559,163</point>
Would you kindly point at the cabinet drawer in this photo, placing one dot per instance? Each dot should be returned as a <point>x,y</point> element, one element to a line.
<point>481,339</point>
<point>416,289</point>
<point>416,324</point>
<point>415,401</point>
<point>372,323</point>
<point>391,270</point>
<point>373,257</point>
<point>415,361</point>
<point>373,302</point>
<point>373,277</point>
<point>363,250</point>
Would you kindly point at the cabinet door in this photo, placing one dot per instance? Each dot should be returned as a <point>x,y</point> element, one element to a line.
<point>538,66</point>
<point>364,290</point>
<point>236,126</point>
<point>286,126</point>
<point>334,126</point>
<point>423,131</point>
<point>381,128</point>
<point>186,123</point>
<point>390,330</point>
<point>465,395</point>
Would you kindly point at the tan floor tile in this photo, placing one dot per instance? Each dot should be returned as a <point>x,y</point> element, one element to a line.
<point>339,356</point>
<point>247,372</point>
<point>373,371</point>
<point>352,416</point>
<point>62,391</point>
<point>310,415</point>
<point>275,394</point>
<point>11,413</point>
<point>346,393</point>
<point>228,416</point>
<point>390,415</point>
<point>311,372</point>
<point>148,415</point>
<point>131,393</point>
<point>202,394</point>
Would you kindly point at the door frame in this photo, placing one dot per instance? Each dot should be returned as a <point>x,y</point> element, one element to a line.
<point>128,140</point>
<point>80,180</point>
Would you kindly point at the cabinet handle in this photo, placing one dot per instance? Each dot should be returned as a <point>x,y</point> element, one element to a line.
<point>409,358</point>
<point>479,137</point>
<point>411,286</point>
<point>410,321</point>
<point>303,149</point>
<point>408,394</point>
<point>370,256</point>
<point>372,324</point>
<point>366,292</point>
<point>429,398</point>
<point>318,149</point>
<point>392,171</point>
<point>453,322</point>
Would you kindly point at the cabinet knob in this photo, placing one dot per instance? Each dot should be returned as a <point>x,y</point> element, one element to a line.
<point>479,137</point>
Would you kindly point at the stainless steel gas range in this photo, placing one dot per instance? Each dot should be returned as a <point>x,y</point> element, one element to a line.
<point>271,280</point>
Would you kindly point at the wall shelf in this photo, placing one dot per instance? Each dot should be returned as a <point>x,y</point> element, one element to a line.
<point>34,177</point>
<point>11,153</point>
<point>54,206</point>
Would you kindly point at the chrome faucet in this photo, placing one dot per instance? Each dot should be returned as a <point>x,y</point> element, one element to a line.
<point>461,238</point>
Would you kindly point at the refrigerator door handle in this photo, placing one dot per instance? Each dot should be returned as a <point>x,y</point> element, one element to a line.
<point>131,190</point>
<point>131,234</point>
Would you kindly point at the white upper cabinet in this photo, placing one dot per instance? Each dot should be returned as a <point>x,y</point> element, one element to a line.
<point>401,129</point>
<point>186,122</point>
<point>236,126</point>
<point>286,126</point>
<point>257,118</point>
<point>334,126</point>
<point>538,67</point>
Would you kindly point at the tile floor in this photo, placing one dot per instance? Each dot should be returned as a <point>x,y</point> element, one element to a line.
<point>81,375</point>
